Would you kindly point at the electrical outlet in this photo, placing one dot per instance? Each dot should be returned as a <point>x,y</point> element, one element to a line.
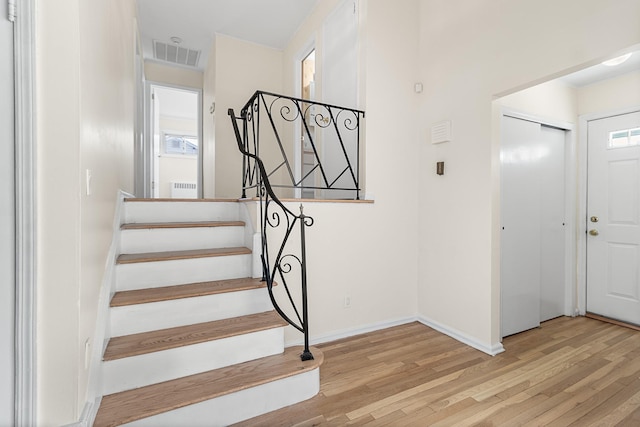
<point>347,301</point>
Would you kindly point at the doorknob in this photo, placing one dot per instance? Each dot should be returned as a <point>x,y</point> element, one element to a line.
<point>594,219</point>
<point>593,232</point>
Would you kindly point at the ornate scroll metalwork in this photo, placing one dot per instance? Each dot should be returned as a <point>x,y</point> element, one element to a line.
<point>279,222</point>
<point>326,136</point>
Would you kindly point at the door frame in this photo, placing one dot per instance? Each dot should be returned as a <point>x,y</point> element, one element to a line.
<point>147,157</point>
<point>582,220</point>
<point>307,48</point>
<point>571,229</point>
<point>26,207</point>
<point>139,123</point>
<point>7,220</point>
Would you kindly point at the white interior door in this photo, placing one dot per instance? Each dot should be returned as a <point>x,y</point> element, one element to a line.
<point>552,223</point>
<point>175,132</point>
<point>7,221</point>
<point>533,235</point>
<point>613,217</point>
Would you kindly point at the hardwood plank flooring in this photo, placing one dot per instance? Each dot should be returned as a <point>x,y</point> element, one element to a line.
<point>569,372</point>
<point>614,321</point>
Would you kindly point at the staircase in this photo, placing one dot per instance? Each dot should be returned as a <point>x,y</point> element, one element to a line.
<point>194,339</point>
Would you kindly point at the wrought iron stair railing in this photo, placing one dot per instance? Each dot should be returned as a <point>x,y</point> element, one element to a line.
<point>327,138</point>
<point>287,254</point>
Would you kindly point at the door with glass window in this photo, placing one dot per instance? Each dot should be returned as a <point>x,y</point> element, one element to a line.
<point>613,217</point>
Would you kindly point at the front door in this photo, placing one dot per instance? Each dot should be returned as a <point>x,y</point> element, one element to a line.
<point>613,217</point>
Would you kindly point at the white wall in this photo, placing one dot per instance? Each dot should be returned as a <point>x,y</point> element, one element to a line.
<point>466,59</point>
<point>610,95</point>
<point>369,251</point>
<point>241,69</point>
<point>343,261</point>
<point>85,104</point>
<point>176,167</point>
<point>209,125</point>
<point>390,42</point>
<point>552,100</point>
<point>159,73</point>
<point>309,34</point>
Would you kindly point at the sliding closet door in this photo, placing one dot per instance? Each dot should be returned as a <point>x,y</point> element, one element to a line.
<point>532,242</point>
<point>520,241</point>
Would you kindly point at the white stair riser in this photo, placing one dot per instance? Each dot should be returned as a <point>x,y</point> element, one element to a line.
<point>136,212</point>
<point>176,272</point>
<point>241,405</point>
<point>138,371</point>
<point>178,239</point>
<point>138,318</point>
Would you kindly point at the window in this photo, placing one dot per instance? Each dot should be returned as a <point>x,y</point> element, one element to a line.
<point>624,138</point>
<point>180,144</point>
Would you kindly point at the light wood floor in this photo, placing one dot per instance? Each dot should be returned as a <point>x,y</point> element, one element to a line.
<point>569,372</point>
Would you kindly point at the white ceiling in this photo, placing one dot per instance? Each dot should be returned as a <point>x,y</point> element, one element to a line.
<point>602,72</point>
<point>267,22</point>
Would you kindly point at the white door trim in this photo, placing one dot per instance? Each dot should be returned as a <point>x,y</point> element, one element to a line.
<point>147,156</point>
<point>571,294</point>
<point>26,206</point>
<point>139,118</point>
<point>581,269</point>
<point>309,46</point>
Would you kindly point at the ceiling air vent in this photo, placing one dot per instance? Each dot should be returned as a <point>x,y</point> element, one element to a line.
<point>175,54</point>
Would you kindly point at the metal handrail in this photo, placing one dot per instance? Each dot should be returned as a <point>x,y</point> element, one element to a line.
<point>273,217</point>
<point>332,133</point>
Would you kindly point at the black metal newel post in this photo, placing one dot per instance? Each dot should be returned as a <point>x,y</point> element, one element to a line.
<point>245,161</point>
<point>306,354</point>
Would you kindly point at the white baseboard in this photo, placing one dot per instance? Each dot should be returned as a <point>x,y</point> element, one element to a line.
<point>88,415</point>
<point>102,331</point>
<point>346,333</point>
<point>491,350</point>
<point>453,333</point>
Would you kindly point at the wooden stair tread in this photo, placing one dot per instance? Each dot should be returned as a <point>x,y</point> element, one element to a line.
<point>175,255</point>
<point>164,339</point>
<point>131,405</point>
<point>195,224</point>
<point>166,293</point>
<point>140,199</point>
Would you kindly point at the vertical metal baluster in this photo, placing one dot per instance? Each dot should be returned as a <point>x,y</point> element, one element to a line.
<point>306,354</point>
<point>245,165</point>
